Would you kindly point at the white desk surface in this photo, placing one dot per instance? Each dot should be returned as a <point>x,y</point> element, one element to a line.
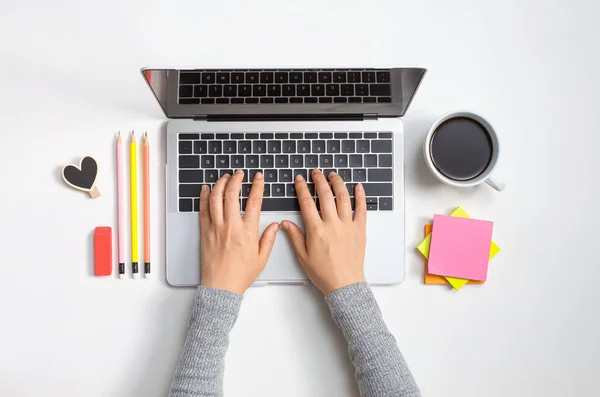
<point>69,78</point>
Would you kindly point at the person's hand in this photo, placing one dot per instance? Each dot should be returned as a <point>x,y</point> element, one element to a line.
<point>232,257</point>
<point>333,251</point>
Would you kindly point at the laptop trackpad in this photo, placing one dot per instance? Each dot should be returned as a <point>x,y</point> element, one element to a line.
<point>282,265</point>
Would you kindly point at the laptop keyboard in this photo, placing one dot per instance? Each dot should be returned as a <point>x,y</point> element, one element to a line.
<point>364,157</point>
<point>280,86</point>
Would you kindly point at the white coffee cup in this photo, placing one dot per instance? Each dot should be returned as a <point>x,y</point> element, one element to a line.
<point>487,175</point>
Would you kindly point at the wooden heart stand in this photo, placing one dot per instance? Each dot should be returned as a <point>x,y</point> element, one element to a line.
<point>82,177</point>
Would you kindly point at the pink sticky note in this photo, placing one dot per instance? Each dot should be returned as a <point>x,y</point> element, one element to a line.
<point>460,247</point>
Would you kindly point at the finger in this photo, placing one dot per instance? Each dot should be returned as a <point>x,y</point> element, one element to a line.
<point>232,196</point>
<point>216,199</point>
<point>342,197</point>
<point>204,207</point>
<point>308,208</point>
<point>265,245</point>
<point>360,206</point>
<point>325,195</point>
<point>255,198</point>
<point>297,239</point>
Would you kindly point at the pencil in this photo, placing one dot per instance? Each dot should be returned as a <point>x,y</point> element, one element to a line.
<point>121,232</point>
<point>146,206</point>
<point>134,214</point>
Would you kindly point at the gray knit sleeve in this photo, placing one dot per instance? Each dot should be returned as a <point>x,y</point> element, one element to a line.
<point>380,369</point>
<point>199,372</point>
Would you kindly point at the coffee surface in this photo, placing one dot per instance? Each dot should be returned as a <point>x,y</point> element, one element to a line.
<point>461,148</point>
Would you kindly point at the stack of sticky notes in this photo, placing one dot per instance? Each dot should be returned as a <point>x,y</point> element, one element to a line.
<point>457,249</point>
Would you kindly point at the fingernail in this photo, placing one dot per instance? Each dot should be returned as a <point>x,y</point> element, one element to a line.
<point>332,173</point>
<point>299,178</point>
<point>316,170</point>
<point>360,187</point>
<point>226,176</point>
<point>284,225</point>
<point>239,171</point>
<point>258,175</point>
<point>277,227</point>
<point>204,188</point>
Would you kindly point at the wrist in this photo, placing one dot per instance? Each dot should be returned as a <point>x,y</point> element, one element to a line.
<point>208,283</point>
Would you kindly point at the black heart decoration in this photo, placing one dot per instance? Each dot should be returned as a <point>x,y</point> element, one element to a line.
<point>82,177</point>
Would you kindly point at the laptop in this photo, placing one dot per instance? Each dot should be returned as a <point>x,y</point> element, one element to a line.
<point>284,122</point>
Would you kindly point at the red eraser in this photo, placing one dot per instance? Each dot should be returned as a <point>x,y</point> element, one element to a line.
<point>103,251</point>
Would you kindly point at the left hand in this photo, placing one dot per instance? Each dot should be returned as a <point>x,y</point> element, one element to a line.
<point>232,256</point>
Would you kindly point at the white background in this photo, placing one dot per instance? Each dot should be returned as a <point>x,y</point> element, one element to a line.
<point>69,78</point>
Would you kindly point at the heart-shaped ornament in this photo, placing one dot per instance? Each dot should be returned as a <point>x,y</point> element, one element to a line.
<point>82,177</point>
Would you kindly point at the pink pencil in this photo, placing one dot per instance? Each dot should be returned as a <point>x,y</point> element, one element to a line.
<point>121,232</point>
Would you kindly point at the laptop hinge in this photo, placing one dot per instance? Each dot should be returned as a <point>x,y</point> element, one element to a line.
<point>370,116</point>
<point>285,117</point>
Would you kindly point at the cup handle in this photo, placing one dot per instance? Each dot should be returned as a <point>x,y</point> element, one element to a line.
<point>495,182</point>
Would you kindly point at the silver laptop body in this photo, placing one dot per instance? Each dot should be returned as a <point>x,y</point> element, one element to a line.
<point>212,132</point>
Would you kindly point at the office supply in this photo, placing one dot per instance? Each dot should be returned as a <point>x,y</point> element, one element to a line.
<point>462,149</point>
<point>134,210</point>
<point>120,208</point>
<point>423,247</point>
<point>82,177</point>
<point>460,247</point>
<point>285,122</point>
<point>102,251</point>
<point>146,206</point>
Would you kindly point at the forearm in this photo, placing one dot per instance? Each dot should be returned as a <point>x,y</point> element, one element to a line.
<point>380,368</point>
<point>202,362</point>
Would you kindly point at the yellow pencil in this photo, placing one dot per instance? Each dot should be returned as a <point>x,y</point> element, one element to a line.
<point>134,210</point>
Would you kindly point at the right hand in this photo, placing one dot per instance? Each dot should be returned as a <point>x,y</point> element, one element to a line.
<point>332,252</point>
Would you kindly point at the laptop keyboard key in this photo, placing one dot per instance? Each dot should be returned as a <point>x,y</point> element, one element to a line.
<point>296,77</point>
<point>222,173</point>
<point>246,187</point>
<point>211,176</point>
<point>290,190</point>
<point>380,175</point>
<point>189,190</point>
<point>310,77</point>
<point>281,161</point>
<point>303,146</point>
<point>289,90</point>
<point>237,161</point>
<point>223,161</point>
<point>355,160</point>
<point>333,146</point>
<point>185,147</point>
<point>385,160</point>
<point>191,176</point>
<point>266,161</point>
<point>302,172</point>
<point>318,146</point>
<point>270,175</point>
<point>185,205</point>
<point>303,90</point>
<point>252,77</point>
<point>244,147</point>
<point>215,147</point>
<point>311,161</point>
<point>370,160</point>
<point>325,160</point>
<point>348,147</point>
<point>359,175</point>
<point>383,77</point>
<point>189,78</point>
<point>353,77</point>
<point>237,78</point>
<point>297,161</point>
<point>385,204</point>
<point>281,77</point>
<point>380,90</point>
<point>189,161</point>
<point>274,90</point>
<point>339,77</point>
<point>278,190</point>
<point>229,147</point>
<point>285,175</point>
<point>230,91</point>
<point>289,147</point>
<point>252,174</point>
<point>362,146</point>
<point>252,161</point>
<point>259,90</point>
<point>341,160</point>
<point>378,189</point>
<point>274,146</point>
<point>215,91</point>
<point>345,174</point>
<point>381,146</point>
<point>259,147</point>
<point>266,77</point>
<point>207,161</point>
<point>368,77</point>
<point>244,90</point>
<point>208,78</point>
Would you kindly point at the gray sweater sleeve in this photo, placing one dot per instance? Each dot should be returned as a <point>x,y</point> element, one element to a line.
<point>199,372</point>
<point>380,369</point>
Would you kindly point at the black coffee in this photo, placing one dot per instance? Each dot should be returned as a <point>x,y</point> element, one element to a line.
<point>461,148</point>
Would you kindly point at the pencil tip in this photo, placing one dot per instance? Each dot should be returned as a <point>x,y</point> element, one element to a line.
<point>119,133</point>
<point>146,133</point>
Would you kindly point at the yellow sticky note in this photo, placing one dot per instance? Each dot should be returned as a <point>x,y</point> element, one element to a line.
<point>424,245</point>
